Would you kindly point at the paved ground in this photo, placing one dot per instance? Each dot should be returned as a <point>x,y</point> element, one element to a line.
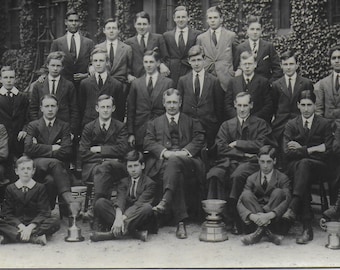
<point>165,250</point>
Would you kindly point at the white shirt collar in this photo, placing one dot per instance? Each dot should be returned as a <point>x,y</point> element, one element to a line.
<point>76,35</point>
<point>19,184</point>
<point>251,42</point>
<point>102,75</point>
<point>293,77</point>
<point>244,119</point>
<point>135,179</point>
<point>310,121</point>
<point>217,31</point>
<point>114,43</point>
<point>146,36</point>
<point>48,121</point>
<point>268,176</point>
<point>200,74</point>
<point>14,91</point>
<point>176,117</point>
<point>107,123</point>
<point>185,30</point>
<point>50,78</point>
<point>248,77</point>
<point>154,77</point>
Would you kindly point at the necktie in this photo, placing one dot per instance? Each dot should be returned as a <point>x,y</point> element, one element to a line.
<point>53,87</point>
<point>242,123</point>
<point>24,189</point>
<point>213,37</point>
<point>254,48</point>
<point>247,83</point>
<point>264,183</point>
<point>73,49</point>
<point>150,86</point>
<point>10,99</point>
<point>197,87</point>
<point>306,127</point>
<point>104,127</point>
<point>290,89</point>
<point>133,189</point>
<point>111,54</point>
<point>337,86</point>
<point>172,122</point>
<point>100,81</point>
<point>142,43</point>
<point>181,43</point>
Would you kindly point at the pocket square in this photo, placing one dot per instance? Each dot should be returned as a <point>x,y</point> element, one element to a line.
<point>266,57</point>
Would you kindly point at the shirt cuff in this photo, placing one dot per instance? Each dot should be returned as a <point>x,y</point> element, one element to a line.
<point>189,154</point>
<point>162,153</point>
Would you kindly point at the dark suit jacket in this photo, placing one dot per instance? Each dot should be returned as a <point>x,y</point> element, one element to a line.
<point>67,102</point>
<point>32,207</point>
<point>178,61</point>
<point>145,192</point>
<point>70,66</point>
<point>3,144</point>
<point>285,104</point>
<point>113,144</point>
<point>208,109</point>
<point>142,108</point>
<point>122,61</point>
<point>259,89</point>
<point>253,184</point>
<point>154,40</point>
<point>268,61</point>
<point>157,138</point>
<point>59,134</point>
<point>89,93</point>
<point>319,133</point>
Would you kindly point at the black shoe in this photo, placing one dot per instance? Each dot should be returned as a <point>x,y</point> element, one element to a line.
<point>161,207</point>
<point>102,236</point>
<point>237,228</point>
<point>181,232</point>
<point>307,235</point>
<point>276,239</point>
<point>141,235</point>
<point>254,237</point>
<point>289,215</point>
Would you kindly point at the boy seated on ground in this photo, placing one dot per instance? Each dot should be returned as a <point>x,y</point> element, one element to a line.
<point>132,212</point>
<point>265,199</point>
<point>26,212</point>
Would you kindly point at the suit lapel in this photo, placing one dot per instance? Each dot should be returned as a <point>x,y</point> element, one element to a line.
<point>144,91</point>
<point>151,42</point>
<point>60,89</point>
<point>166,126</point>
<point>284,87</point>
<point>260,52</point>
<point>65,46</point>
<point>54,132</point>
<point>258,182</point>
<point>205,89</point>
<point>157,89</point>
<point>118,55</point>
<point>110,131</point>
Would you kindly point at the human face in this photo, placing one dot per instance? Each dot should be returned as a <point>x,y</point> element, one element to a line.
<point>8,79</point>
<point>243,106</point>
<point>135,168</point>
<point>289,66</point>
<point>172,104</point>
<point>54,67</point>
<point>181,18</point>
<point>150,64</point>
<point>72,23</point>
<point>25,171</point>
<point>197,62</point>
<point>105,109</point>
<point>99,62</point>
<point>254,31</point>
<point>266,163</point>
<point>248,66</point>
<point>306,107</point>
<point>214,20</point>
<point>49,108</point>
<point>335,60</point>
<point>142,25</point>
<point>111,31</point>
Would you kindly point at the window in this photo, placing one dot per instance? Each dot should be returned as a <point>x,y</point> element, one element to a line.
<point>334,12</point>
<point>281,10</point>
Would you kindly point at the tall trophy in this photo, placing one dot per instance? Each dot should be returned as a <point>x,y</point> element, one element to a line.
<point>333,228</point>
<point>73,232</point>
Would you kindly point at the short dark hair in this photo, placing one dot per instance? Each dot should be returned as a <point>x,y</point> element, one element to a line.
<point>215,9</point>
<point>267,150</point>
<point>58,55</point>
<point>288,54</point>
<point>332,50</point>
<point>243,94</point>
<point>70,12</point>
<point>180,8</point>
<point>134,155</point>
<point>195,50</point>
<point>143,15</point>
<point>113,20</point>
<point>154,52</point>
<point>254,19</point>
<point>7,68</point>
<point>24,159</point>
<point>170,92</point>
<point>104,97</point>
<point>48,96</point>
<point>307,94</point>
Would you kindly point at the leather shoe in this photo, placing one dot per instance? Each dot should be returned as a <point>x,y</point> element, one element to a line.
<point>236,228</point>
<point>276,239</point>
<point>307,235</point>
<point>289,214</point>
<point>39,240</point>
<point>141,235</point>
<point>161,207</point>
<point>254,237</point>
<point>181,232</point>
<point>101,236</point>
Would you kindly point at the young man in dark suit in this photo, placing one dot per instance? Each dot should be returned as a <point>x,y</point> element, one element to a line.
<point>252,83</point>
<point>145,41</point>
<point>174,141</point>
<point>202,95</point>
<point>103,144</point>
<point>268,61</point>
<point>238,142</point>
<point>98,84</point>
<point>178,43</point>
<point>77,49</point>
<point>145,98</point>
<point>48,142</point>
<point>26,211</point>
<point>265,199</point>
<point>132,212</point>
<point>307,143</point>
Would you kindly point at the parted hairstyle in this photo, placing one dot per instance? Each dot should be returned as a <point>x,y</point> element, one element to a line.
<point>254,19</point>
<point>247,54</point>
<point>267,150</point>
<point>7,68</point>
<point>58,55</point>
<point>307,94</point>
<point>99,50</point>
<point>243,94</point>
<point>104,97</point>
<point>23,159</point>
<point>288,54</point>
<point>48,96</point>
<point>180,8</point>
<point>70,12</point>
<point>143,15</point>
<point>135,155</point>
<point>332,50</point>
<point>113,20</point>
<point>154,52</point>
<point>215,9</point>
<point>195,50</point>
<point>170,92</point>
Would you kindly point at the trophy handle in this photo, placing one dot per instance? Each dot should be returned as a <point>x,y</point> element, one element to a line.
<point>322,224</point>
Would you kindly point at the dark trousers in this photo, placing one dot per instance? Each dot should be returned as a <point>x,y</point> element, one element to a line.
<point>138,216</point>
<point>48,227</point>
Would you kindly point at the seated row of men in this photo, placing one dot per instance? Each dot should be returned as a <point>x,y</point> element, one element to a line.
<point>174,142</point>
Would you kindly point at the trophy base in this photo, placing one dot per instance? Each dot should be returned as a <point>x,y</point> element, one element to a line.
<point>78,239</point>
<point>332,247</point>
<point>213,232</point>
